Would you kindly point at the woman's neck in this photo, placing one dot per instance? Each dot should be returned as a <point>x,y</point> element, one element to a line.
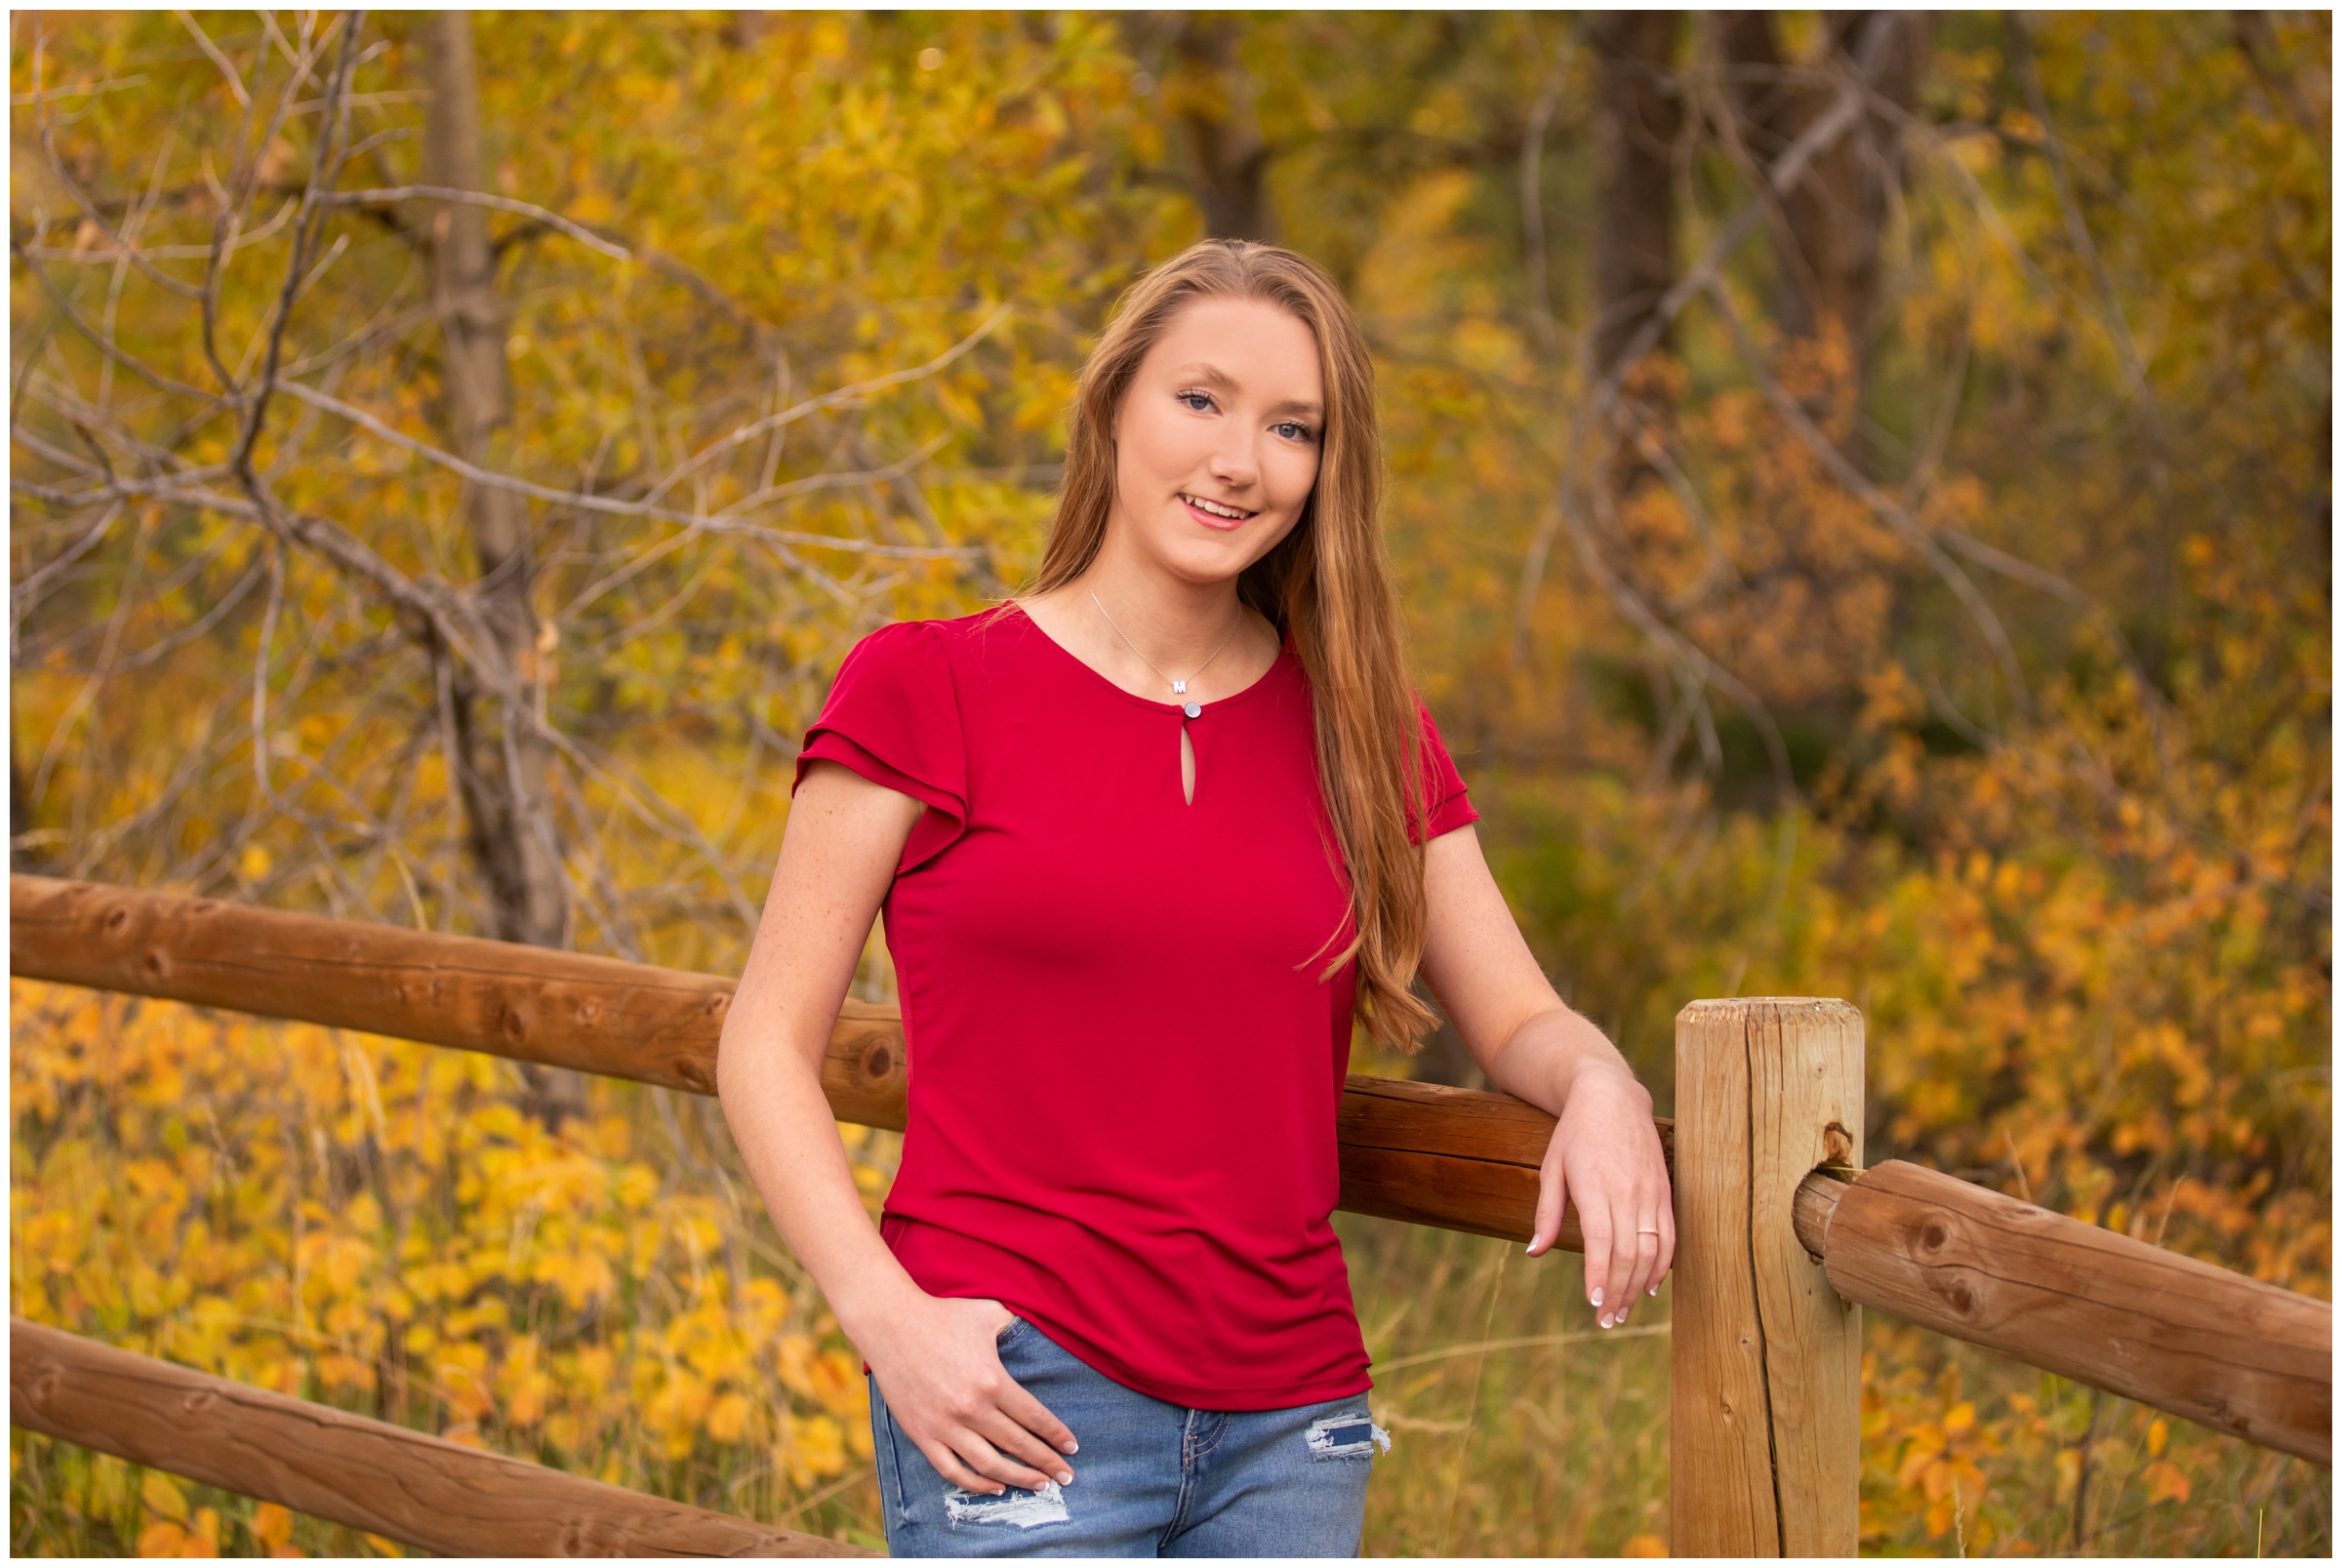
<point>1174,621</point>
<point>1143,628</point>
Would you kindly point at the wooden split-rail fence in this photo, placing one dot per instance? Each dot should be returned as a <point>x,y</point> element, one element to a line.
<point>1783,1237</point>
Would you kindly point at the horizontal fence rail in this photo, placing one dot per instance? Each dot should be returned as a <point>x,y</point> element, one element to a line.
<point>2228,1352</point>
<point>2224,1350</point>
<point>1458,1158</point>
<point>368,1475</point>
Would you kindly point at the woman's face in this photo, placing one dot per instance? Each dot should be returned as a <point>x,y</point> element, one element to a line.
<point>1218,438</point>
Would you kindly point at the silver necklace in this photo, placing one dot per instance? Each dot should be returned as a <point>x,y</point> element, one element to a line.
<point>1178,688</point>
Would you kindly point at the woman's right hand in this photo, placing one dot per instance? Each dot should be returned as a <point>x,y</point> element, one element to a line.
<point>938,1364</point>
<point>936,1360</point>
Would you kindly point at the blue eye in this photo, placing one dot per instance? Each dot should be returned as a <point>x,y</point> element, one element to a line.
<point>1293,431</point>
<point>1201,402</point>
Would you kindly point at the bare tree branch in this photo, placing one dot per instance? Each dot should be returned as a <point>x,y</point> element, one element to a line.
<point>391,195</point>
<point>235,79</point>
<point>1785,175</point>
<point>1907,527</point>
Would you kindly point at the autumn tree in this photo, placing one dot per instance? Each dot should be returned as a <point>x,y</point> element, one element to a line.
<point>466,482</point>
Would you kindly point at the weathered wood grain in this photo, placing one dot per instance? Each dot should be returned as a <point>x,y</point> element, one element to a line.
<point>2224,1350</point>
<point>531,1004</point>
<point>1765,1424</point>
<point>368,1475</point>
<point>1459,1159</point>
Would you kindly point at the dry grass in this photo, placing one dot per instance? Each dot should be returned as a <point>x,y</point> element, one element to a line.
<point>1559,1449</point>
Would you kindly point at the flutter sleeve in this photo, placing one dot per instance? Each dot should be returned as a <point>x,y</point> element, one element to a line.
<point>1447,806</point>
<point>893,716</point>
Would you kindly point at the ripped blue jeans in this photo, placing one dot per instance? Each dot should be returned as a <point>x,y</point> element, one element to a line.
<point>1152,1479</point>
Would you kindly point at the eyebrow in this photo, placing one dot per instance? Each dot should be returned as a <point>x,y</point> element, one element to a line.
<point>1204,370</point>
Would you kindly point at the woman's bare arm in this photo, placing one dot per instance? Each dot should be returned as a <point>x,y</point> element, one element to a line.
<point>1604,1152</point>
<point>933,1358</point>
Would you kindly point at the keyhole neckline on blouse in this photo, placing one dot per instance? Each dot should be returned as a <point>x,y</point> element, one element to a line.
<point>1205,709</point>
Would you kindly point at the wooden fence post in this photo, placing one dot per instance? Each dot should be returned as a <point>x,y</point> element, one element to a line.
<point>1765,1414</point>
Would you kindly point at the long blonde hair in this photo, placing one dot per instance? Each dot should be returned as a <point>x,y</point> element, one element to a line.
<point>1327,582</point>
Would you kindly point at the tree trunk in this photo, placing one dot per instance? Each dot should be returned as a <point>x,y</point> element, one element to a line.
<point>1828,250</point>
<point>1638,120</point>
<point>746,28</point>
<point>1213,96</point>
<point>19,810</point>
<point>501,763</point>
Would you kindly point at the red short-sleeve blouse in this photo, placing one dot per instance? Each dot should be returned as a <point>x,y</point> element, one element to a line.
<point>1123,1066</point>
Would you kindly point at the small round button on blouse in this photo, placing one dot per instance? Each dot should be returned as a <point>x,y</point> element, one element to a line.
<point>1178,688</point>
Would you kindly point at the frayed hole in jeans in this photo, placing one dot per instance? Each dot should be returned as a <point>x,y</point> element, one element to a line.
<point>1346,1436</point>
<point>1016,1505</point>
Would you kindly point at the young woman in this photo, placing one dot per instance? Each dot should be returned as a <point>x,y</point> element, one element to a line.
<point>1149,838</point>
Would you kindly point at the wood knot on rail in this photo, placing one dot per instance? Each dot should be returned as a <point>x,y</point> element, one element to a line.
<point>1838,1145</point>
<point>2219,1349</point>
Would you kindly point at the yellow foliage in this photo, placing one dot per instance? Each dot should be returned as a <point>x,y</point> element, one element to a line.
<point>162,1493</point>
<point>815,1449</point>
<point>272,1525</point>
<point>481,1317</point>
<point>727,1417</point>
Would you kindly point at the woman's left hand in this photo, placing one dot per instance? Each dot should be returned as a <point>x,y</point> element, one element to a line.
<point>1604,1154</point>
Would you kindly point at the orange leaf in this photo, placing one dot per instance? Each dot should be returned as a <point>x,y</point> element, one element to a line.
<point>161,1538</point>
<point>271,1524</point>
<point>1643,1547</point>
<point>1939,1516</point>
<point>2165,1484</point>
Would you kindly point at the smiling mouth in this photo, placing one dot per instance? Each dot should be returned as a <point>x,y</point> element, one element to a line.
<point>1220,509</point>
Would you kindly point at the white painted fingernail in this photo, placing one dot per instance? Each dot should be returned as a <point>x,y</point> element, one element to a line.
<point>1065,1477</point>
<point>1597,1297</point>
